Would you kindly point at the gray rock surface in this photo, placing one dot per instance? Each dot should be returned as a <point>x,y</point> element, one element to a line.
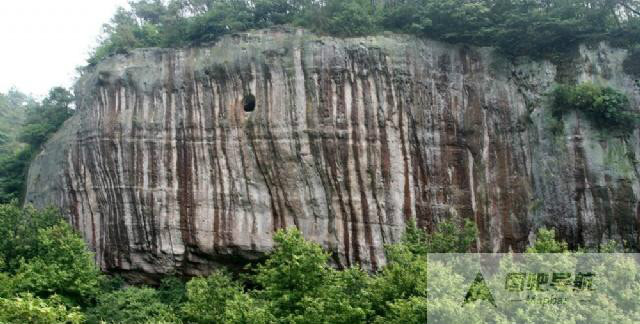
<point>163,171</point>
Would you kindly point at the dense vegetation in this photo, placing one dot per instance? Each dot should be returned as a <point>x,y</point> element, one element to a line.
<point>48,276</point>
<point>25,125</point>
<point>517,27</point>
<point>605,107</point>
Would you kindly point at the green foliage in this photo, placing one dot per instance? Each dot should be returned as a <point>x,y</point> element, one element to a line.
<point>518,27</point>
<point>43,120</point>
<point>295,268</point>
<point>62,265</point>
<point>132,305</point>
<point>301,287</point>
<point>53,280</point>
<point>207,298</point>
<point>13,155</point>
<point>349,18</point>
<point>34,123</point>
<point>224,16</point>
<point>27,309</point>
<point>20,237</point>
<point>13,173</point>
<point>604,106</point>
<point>451,238</point>
<point>404,278</point>
<point>546,243</point>
<point>412,310</point>
<point>173,292</point>
<point>245,309</point>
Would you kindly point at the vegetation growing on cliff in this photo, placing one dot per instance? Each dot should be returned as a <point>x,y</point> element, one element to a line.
<point>25,125</point>
<point>529,27</point>
<point>53,280</point>
<point>605,107</point>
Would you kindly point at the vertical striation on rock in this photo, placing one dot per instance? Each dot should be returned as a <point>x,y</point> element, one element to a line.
<point>163,170</point>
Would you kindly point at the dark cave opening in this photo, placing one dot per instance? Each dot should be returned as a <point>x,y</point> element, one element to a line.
<point>249,102</point>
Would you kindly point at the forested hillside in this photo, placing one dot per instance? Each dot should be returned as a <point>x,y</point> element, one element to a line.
<point>25,125</point>
<point>518,27</point>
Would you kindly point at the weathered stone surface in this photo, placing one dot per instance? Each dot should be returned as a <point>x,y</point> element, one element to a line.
<point>162,169</point>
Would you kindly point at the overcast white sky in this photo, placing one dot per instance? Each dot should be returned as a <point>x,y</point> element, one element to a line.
<point>43,41</point>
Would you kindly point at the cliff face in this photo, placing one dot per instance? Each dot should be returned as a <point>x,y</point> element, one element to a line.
<point>163,170</point>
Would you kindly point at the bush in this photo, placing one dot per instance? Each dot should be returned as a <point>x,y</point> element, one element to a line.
<point>62,265</point>
<point>452,238</point>
<point>27,309</point>
<point>207,298</point>
<point>19,229</point>
<point>132,305</point>
<point>546,243</point>
<point>604,106</point>
<point>349,18</point>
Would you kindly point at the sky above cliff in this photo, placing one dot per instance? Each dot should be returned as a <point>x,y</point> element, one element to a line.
<point>43,41</point>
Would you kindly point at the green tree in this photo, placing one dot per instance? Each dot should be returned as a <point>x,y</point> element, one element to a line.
<point>546,243</point>
<point>13,173</point>
<point>207,298</point>
<point>46,118</point>
<point>349,18</point>
<point>549,28</point>
<point>132,305</point>
<point>300,287</point>
<point>62,265</point>
<point>402,281</point>
<point>27,309</point>
<point>224,17</point>
<point>41,120</point>
<point>452,238</point>
<point>603,106</point>
<point>19,231</point>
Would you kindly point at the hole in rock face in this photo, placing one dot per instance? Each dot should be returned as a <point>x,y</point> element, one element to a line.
<point>249,102</point>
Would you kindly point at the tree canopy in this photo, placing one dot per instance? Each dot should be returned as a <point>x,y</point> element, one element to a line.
<point>25,125</point>
<point>537,28</point>
<point>53,280</point>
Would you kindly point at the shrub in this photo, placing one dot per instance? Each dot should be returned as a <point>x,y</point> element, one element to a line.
<point>452,238</point>
<point>173,292</point>
<point>219,299</point>
<point>132,305</point>
<point>207,298</point>
<point>19,231</point>
<point>27,309</point>
<point>300,287</point>
<point>546,243</point>
<point>605,107</point>
<point>349,18</point>
<point>62,265</point>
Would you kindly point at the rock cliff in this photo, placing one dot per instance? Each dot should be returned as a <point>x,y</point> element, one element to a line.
<point>182,160</point>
